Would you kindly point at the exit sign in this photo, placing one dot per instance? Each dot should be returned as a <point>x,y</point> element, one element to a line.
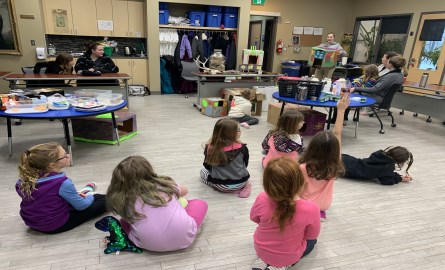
<point>258,2</point>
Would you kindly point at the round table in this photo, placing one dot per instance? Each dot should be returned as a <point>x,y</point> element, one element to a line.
<point>63,116</point>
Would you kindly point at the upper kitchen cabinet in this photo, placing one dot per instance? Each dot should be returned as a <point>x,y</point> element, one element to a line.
<point>66,17</point>
<point>128,18</point>
<point>104,12</point>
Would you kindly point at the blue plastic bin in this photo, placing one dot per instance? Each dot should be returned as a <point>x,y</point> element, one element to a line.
<point>230,20</point>
<point>214,9</point>
<point>231,10</point>
<point>163,5</point>
<point>291,69</point>
<point>197,18</point>
<point>163,16</point>
<point>213,19</point>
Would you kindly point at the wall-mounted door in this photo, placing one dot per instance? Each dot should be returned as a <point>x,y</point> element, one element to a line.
<point>428,54</point>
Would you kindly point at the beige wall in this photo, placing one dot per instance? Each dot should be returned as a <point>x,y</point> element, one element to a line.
<point>153,31</point>
<point>332,18</point>
<point>363,8</point>
<point>29,29</point>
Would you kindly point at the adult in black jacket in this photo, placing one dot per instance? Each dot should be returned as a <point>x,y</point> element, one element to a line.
<point>94,63</point>
<point>380,165</point>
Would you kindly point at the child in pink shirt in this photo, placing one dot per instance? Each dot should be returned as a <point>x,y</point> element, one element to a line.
<point>152,214</point>
<point>288,226</point>
<point>321,162</point>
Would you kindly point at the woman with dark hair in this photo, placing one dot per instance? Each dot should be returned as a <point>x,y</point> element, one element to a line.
<point>385,58</point>
<point>94,63</point>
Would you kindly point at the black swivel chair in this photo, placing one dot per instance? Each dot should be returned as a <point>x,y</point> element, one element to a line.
<point>385,104</point>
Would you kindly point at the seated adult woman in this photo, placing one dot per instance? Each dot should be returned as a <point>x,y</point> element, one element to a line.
<point>94,63</point>
<point>394,76</point>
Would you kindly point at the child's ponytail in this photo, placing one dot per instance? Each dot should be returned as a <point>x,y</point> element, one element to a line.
<point>282,181</point>
<point>34,163</point>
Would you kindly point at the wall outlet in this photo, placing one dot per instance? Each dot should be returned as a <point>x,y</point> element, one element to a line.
<point>297,49</point>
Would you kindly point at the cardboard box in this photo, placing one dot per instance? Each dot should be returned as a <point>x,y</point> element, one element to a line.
<point>267,92</point>
<point>214,107</point>
<point>314,120</point>
<point>323,58</point>
<point>253,57</point>
<point>99,128</point>
<point>257,101</point>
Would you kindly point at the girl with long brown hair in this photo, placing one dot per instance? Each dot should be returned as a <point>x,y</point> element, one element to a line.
<point>226,160</point>
<point>150,207</point>
<point>321,162</point>
<point>288,226</point>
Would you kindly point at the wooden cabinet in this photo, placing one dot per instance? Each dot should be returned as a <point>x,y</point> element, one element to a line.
<point>80,17</point>
<point>128,18</point>
<point>104,12</point>
<point>76,17</point>
<point>136,68</point>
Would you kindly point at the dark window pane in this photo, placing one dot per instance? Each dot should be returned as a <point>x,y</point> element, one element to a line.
<point>395,25</point>
<point>432,30</point>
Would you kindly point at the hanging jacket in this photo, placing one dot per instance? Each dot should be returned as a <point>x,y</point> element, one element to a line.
<point>166,87</point>
<point>231,57</point>
<point>185,47</point>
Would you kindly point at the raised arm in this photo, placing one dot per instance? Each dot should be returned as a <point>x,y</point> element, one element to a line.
<point>342,105</point>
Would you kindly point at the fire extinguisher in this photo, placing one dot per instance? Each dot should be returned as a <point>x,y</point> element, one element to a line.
<point>280,46</point>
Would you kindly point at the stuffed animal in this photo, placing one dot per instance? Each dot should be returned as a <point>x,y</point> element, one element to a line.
<point>118,239</point>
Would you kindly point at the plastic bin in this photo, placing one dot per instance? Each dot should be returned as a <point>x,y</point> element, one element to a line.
<point>314,89</point>
<point>231,10</point>
<point>214,9</point>
<point>197,18</point>
<point>113,99</point>
<point>213,19</point>
<point>163,16</point>
<point>108,51</point>
<point>291,69</point>
<point>163,5</point>
<point>91,93</point>
<point>288,88</point>
<point>230,20</point>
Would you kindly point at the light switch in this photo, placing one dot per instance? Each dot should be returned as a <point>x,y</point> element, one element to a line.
<point>33,42</point>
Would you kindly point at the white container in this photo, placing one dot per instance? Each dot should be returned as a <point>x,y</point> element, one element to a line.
<point>91,93</point>
<point>26,107</point>
<point>111,100</point>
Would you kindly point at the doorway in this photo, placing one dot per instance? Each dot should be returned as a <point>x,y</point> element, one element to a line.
<point>428,53</point>
<point>262,36</point>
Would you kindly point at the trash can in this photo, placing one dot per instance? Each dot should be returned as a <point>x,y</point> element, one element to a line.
<point>305,69</point>
<point>291,68</point>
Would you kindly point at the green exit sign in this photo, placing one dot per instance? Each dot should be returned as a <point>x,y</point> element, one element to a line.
<point>258,2</point>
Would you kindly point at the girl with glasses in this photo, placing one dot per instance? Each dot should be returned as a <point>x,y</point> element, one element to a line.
<point>50,202</point>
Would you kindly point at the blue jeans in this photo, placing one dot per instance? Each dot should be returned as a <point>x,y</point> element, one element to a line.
<point>310,244</point>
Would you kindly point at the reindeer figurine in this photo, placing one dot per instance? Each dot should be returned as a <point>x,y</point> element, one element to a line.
<point>202,65</point>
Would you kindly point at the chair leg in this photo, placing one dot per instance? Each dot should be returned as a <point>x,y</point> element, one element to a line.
<point>392,119</point>
<point>381,124</point>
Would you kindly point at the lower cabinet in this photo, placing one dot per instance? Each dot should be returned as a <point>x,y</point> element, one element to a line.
<point>136,68</point>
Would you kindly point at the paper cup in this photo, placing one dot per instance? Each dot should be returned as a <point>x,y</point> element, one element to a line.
<point>344,60</point>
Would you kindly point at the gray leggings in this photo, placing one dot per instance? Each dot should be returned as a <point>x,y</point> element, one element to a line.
<point>248,119</point>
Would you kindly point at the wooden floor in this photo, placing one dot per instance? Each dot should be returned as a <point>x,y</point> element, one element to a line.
<point>369,226</point>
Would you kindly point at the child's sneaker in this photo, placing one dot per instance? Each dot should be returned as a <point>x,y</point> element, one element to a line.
<point>259,265</point>
<point>322,216</point>
<point>244,125</point>
<point>90,187</point>
<point>245,192</point>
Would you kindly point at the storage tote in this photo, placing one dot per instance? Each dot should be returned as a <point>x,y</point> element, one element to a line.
<point>230,20</point>
<point>197,18</point>
<point>163,16</point>
<point>213,19</point>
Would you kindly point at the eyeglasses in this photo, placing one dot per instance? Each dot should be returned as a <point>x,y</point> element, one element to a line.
<point>64,156</point>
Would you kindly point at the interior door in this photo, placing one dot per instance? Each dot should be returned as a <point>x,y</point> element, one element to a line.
<point>428,55</point>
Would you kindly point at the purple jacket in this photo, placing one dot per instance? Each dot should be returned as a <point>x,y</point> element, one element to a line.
<point>45,211</point>
<point>185,47</point>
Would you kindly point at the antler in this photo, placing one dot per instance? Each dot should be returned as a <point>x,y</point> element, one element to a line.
<point>202,66</point>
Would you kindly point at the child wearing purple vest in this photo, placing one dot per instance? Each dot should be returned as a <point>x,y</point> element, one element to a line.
<point>50,202</point>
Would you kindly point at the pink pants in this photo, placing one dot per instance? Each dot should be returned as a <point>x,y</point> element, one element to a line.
<point>197,209</point>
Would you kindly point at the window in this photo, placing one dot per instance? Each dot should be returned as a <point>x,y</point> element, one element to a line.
<point>433,37</point>
<point>375,36</point>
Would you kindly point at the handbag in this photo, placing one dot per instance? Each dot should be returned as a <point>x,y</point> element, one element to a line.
<point>138,90</point>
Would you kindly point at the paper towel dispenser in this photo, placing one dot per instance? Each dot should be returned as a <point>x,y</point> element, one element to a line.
<point>40,53</point>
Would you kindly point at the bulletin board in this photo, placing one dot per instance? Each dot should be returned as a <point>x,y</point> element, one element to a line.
<point>310,40</point>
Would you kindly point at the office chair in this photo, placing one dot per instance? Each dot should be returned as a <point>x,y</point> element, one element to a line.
<point>187,69</point>
<point>385,104</point>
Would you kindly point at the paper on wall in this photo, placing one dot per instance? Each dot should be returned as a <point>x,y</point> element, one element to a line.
<point>308,30</point>
<point>318,31</point>
<point>298,30</point>
<point>105,25</point>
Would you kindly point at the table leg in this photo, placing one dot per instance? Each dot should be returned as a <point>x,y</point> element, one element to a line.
<point>198,99</point>
<point>68,139</point>
<point>113,117</point>
<point>282,108</point>
<point>329,118</point>
<point>8,121</point>
<point>356,118</point>
<point>126,92</point>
